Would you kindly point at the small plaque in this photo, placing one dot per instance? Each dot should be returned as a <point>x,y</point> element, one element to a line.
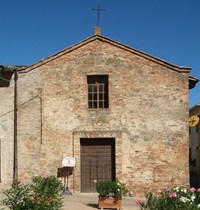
<point>68,162</point>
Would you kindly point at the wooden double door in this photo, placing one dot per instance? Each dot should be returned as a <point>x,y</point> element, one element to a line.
<point>97,162</point>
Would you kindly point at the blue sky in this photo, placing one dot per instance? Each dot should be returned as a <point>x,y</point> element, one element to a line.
<point>168,29</point>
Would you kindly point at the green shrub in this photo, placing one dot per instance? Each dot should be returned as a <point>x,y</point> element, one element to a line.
<point>178,198</point>
<point>18,197</point>
<point>43,194</point>
<point>46,193</point>
<point>115,189</point>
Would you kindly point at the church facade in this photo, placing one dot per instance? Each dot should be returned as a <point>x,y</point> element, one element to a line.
<point>120,113</point>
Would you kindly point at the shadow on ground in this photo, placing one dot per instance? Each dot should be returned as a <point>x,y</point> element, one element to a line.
<point>93,205</point>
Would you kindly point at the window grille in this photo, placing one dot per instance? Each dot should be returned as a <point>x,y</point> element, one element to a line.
<point>97,91</point>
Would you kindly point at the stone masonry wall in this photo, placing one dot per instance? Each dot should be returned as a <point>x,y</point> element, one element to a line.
<point>6,133</point>
<point>148,105</point>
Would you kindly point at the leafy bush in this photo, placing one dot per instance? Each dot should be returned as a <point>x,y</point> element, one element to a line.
<point>178,198</point>
<point>42,194</point>
<point>18,197</point>
<point>115,189</point>
<point>46,193</point>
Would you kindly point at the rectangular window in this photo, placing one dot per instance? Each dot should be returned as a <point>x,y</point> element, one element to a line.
<point>97,91</point>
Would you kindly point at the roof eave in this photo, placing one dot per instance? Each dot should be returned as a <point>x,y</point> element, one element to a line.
<point>194,107</point>
<point>193,81</point>
<point>6,72</point>
<point>180,69</point>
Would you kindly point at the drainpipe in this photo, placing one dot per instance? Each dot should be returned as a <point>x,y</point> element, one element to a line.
<point>15,157</point>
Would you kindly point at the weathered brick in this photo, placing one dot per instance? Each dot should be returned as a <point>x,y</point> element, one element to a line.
<point>147,115</point>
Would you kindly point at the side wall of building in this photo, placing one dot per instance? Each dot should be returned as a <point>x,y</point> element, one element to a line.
<point>6,133</point>
<point>194,143</point>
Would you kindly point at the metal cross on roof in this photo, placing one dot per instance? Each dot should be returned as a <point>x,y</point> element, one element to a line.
<point>98,13</point>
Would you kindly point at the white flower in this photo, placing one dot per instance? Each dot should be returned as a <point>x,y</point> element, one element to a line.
<point>184,190</point>
<point>192,197</point>
<point>198,206</point>
<point>184,199</point>
<point>176,189</point>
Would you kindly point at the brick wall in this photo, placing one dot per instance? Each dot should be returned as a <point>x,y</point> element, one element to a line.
<point>148,106</point>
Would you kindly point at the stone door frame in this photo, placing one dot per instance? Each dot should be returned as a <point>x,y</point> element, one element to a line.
<point>77,135</point>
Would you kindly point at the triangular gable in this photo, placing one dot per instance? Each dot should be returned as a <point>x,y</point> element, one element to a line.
<point>180,69</point>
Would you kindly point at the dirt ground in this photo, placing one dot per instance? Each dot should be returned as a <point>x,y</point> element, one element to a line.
<point>87,201</point>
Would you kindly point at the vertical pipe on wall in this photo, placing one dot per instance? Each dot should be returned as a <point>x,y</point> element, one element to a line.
<point>73,157</point>
<point>0,160</point>
<point>15,157</point>
<point>41,118</point>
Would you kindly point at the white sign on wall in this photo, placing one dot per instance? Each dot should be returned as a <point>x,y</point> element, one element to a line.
<point>68,162</point>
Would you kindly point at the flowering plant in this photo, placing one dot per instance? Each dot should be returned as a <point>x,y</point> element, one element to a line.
<point>178,198</point>
<point>42,194</point>
<point>115,189</point>
<point>46,192</point>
